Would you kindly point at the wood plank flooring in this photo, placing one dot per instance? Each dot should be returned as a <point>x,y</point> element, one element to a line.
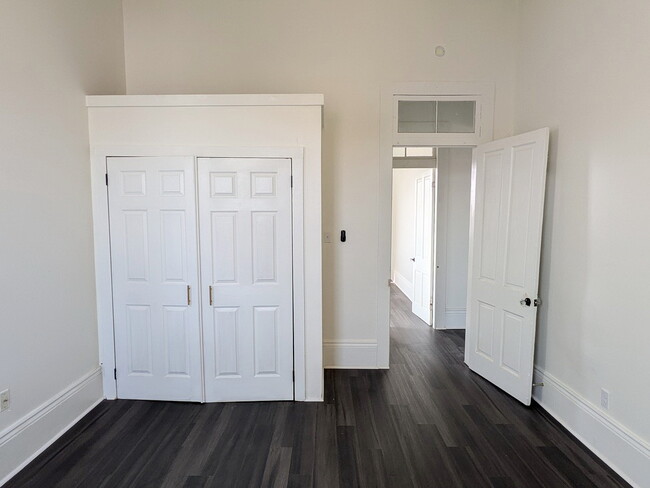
<point>426,422</point>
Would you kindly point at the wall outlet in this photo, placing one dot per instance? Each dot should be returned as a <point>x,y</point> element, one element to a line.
<point>5,400</point>
<point>604,398</point>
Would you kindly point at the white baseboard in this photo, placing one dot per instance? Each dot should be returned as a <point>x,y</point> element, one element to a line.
<point>350,355</point>
<point>622,450</point>
<point>21,442</point>
<point>452,319</point>
<point>404,284</point>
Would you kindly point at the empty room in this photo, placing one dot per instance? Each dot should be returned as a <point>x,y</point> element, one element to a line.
<point>282,243</point>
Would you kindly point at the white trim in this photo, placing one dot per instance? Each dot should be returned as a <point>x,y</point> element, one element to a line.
<point>350,354</point>
<point>102,243</point>
<point>486,93</point>
<point>424,163</point>
<point>620,449</point>
<point>403,284</point>
<point>204,100</point>
<point>454,318</point>
<point>20,443</point>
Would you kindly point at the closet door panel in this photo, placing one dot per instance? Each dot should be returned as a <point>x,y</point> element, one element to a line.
<point>154,263</point>
<point>246,272</point>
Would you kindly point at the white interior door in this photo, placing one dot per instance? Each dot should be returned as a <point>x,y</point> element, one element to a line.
<point>155,275</point>
<point>506,227</point>
<point>246,270</point>
<point>422,305</point>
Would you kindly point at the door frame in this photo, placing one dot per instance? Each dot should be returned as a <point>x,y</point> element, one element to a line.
<point>483,93</point>
<point>101,235</point>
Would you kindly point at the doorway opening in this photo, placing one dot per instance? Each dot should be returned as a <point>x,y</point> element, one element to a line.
<point>430,236</point>
<point>504,221</point>
<point>436,115</point>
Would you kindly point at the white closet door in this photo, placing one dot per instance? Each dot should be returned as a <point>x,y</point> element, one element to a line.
<point>246,272</point>
<point>155,278</point>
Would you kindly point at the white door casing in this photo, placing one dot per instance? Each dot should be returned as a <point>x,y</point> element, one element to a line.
<point>155,277</point>
<point>508,183</point>
<point>246,269</point>
<point>421,305</point>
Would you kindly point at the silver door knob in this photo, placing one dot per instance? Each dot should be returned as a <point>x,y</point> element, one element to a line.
<point>525,302</point>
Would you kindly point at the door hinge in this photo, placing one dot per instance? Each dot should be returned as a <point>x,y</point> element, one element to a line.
<point>293,376</point>
<point>115,373</point>
<point>106,175</point>
<point>291,181</point>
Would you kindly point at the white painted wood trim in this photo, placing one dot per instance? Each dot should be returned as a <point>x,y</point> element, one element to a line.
<point>204,100</point>
<point>470,253</point>
<point>620,449</point>
<point>299,346</point>
<point>103,252</point>
<point>350,354</point>
<point>21,442</point>
<point>440,246</point>
<point>454,318</point>
<point>486,91</point>
<point>414,163</point>
<point>403,284</point>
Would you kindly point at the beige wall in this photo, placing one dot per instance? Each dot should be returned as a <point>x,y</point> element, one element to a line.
<point>52,53</point>
<point>584,71</point>
<point>345,50</point>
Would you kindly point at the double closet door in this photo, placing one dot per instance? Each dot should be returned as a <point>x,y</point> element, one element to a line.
<point>201,256</point>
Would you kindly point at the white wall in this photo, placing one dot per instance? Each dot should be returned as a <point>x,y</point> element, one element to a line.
<point>346,50</point>
<point>583,71</point>
<point>452,238</point>
<point>403,234</point>
<point>52,54</point>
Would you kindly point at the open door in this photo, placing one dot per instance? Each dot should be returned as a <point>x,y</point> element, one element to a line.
<point>422,298</point>
<point>508,182</point>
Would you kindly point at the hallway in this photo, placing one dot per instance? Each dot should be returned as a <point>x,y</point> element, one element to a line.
<point>428,422</point>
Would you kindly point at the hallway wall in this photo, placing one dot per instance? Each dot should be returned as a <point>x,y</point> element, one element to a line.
<point>452,251</point>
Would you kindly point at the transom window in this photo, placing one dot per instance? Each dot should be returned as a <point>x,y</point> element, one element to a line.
<point>436,116</point>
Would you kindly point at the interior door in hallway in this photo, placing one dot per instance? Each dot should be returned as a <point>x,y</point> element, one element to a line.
<point>509,177</point>
<point>155,277</point>
<point>422,280</point>
<point>246,271</point>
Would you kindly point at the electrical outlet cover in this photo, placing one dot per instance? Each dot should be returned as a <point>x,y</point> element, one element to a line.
<point>4,400</point>
<point>604,398</point>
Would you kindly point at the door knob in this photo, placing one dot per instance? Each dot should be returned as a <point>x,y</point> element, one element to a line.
<point>413,259</point>
<point>525,302</point>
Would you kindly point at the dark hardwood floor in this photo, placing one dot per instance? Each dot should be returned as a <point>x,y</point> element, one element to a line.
<point>428,422</point>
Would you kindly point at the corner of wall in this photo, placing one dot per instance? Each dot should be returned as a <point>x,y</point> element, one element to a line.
<point>623,451</point>
<point>23,441</point>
